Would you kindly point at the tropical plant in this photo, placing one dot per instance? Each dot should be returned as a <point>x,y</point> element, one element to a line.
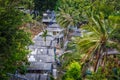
<point>99,75</point>
<point>13,39</point>
<point>73,72</point>
<point>108,72</point>
<point>44,35</point>
<point>43,5</point>
<point>95,41</point>
<point>102,24</point>
<point>28,4</point>
<point>70,14</point>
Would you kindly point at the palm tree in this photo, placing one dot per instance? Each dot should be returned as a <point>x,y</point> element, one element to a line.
<point>44,35</point>
<point>70,13</point>
<point>102,25</point>
<point>97,38</point>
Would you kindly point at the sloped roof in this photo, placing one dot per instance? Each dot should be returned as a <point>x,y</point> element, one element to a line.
<point>40,66</point>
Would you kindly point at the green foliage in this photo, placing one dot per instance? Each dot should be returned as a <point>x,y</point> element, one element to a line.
<point>115,34</point>
<point>71,54</point>
<point>66,59</point>
<point>94,42</point>
<point>28,4</point>
<point>73,72</point>
<point>13,39</point>
<point>73,12</point>
<point>110,71</point>
<point>44,35</point>
<point>27,18</point>
<point>99,75</point>
<point>43,5</point>
<point>71,46</point>
<point>70,12</point>
<point>101,31</point>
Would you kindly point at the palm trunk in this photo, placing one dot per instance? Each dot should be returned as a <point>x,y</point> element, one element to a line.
<point>97,63</point>
<point>105,57</point>
<point>98,59</point>
<point>45,41</point>
<point>101,53</point>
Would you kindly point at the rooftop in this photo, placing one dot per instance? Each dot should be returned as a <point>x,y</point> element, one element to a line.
<point>40,66</point>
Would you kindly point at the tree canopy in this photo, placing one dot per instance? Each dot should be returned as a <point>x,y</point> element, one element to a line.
<point>43,5</point>
<point>103,17</point>
<point>13,39</point>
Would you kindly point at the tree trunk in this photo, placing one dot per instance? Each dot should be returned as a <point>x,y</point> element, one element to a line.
<point>99,54</point>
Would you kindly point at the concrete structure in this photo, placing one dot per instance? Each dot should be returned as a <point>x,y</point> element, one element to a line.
<point>43,53</point>
<point>40,66</point>
<point>49,17</point>
<point>56,31</point>
<point>41,42</point>
<point>36,76</point>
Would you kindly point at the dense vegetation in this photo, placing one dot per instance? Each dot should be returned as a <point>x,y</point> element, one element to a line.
<point>13,39</point>
<point>43,5</point>
<point>100,33</point>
